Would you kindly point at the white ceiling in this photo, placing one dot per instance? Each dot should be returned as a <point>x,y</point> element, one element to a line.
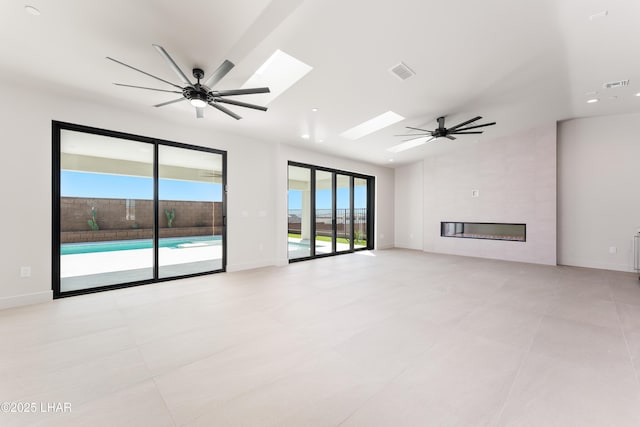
<point>520,63</point>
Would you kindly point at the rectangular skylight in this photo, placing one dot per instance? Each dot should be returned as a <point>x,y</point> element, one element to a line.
<point>409,144</point>
<point>278,73</point>
<point>373,125</point>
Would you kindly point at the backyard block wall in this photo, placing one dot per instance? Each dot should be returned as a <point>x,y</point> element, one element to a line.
<point>122,219</point>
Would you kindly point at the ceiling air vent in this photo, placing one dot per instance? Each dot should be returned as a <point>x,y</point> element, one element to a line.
<point>401,71</point>
<point>620,83</point>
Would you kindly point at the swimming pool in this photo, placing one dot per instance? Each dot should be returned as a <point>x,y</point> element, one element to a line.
<point>124,245</point>
<point>294,246</point>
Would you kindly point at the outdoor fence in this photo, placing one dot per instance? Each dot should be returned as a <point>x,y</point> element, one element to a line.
<point>324,222</point>
<point>126,219</point>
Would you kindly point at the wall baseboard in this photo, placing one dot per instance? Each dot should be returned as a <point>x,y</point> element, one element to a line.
<point>598,266</point>
<point>26,299</point>
<point>250,265</point>
<point>386,246</point>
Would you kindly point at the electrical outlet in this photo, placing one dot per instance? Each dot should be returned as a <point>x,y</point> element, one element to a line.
<point>475,193</point>
<point>25,271</point>
<point>613,250</point>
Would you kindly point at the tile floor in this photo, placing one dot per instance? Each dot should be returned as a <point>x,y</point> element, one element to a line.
<point>387,338</point>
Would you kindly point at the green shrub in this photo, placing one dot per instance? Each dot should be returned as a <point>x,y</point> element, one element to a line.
<point>170,214</point>
<point>93,221</point>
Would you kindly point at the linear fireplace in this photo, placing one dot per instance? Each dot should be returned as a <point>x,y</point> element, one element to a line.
<point>484,230</point>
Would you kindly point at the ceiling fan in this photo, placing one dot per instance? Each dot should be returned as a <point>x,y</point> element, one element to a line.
<point>199,94</point>
<point>440,132</point>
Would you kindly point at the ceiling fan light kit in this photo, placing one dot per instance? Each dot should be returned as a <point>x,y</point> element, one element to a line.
<point>199,94</point>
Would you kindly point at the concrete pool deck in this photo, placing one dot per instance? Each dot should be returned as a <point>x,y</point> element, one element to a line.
<point>90,270</point>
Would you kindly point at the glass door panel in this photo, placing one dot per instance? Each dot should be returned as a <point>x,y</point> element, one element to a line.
<point>324,212</point>
<point>343,213</point>
<point>299,212</point>
<point>106,211</point>
<point>190,211</point>
<point>360,222</point>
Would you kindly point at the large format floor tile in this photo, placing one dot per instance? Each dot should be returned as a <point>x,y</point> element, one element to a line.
<point>385,338</point>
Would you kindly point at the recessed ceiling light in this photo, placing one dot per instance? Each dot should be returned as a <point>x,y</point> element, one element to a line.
<point>321,140</point>
<point>391,160</point>
<point>279,73</point>
<point>409,144</point>
<point>592,100</point>
<point>32,10</point>
<point>638,94</point>
<point>372,125</point>
<point>305,136</point>
<point>314,109</point>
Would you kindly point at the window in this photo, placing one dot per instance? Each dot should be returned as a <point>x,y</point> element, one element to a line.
<point>130,210</point>
<point>332,209</point>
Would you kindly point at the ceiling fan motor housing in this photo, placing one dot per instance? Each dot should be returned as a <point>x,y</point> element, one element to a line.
<point>193,93</point>
<point>198,73</point>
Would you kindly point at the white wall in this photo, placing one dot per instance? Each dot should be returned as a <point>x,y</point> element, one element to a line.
<point>516,178</point>
<point>256,199</point>
<point>598,181</point>
<point>409,195</point>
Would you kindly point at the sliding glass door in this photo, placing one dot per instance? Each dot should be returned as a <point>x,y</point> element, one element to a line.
<point>343,213</point>
<point>361,213</point>
<point>190,211</point>
<point>332,206</point>
<point>324,228</point>
<point>299,215</point>
<point>106,211</point>
<point>130,210</point>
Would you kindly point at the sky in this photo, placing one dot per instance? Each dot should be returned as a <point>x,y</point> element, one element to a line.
<point>323,198</point>
<point>83,184</point>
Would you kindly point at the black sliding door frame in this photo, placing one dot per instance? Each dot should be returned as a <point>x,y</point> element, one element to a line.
<point>57,128</point>
<point>370,203</point>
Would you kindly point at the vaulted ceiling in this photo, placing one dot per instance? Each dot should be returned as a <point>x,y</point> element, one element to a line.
<point>520,63</point>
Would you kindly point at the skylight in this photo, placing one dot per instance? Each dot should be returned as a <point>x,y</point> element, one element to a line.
<point>409,144</point>
<point>279,73</point>
<point>372,125</point>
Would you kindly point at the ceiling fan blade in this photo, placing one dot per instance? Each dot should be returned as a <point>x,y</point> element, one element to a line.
<point>455,132</point>
<point>170,102</point>
<point>147,88</point>
<point>225,110</point>
<point>451,137</point>
<point>459,125</point>
<point>440,122</point>
<point>199,112</point>
<point>241,104</point>
<point>477,126</point>
<point>415,134</point>
<point>241,91</point>
<point>219,73</point>
<point>143,72</point>
<point>172,64</point>
<point>422,130</point>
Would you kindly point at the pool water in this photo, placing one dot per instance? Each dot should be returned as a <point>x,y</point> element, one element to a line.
<point>124,245</point>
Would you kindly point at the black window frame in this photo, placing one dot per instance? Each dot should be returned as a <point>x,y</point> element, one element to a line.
<point>312,208</point>
<point>56,128</point>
